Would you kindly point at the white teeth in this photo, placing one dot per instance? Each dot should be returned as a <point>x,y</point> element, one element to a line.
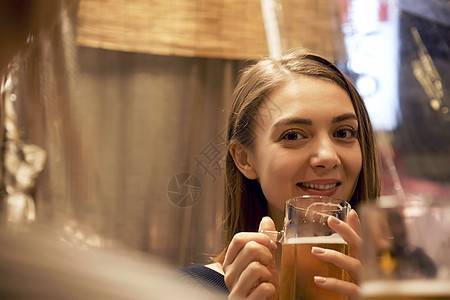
<point>319,186</point>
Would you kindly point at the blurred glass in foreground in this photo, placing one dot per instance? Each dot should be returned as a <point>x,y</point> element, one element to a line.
<point>35,264</point>
<point>406,248</point>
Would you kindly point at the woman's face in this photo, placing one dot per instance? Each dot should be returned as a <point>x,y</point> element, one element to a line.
<point>306,143</point>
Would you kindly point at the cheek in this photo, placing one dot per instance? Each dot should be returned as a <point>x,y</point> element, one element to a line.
<point>270,172</point>
<point>279,166</point>
<point>276,178</point>
<point>354,163</point>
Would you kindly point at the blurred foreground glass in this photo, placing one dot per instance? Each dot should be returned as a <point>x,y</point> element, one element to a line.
<point>406,249</point>
<point>305,226</point>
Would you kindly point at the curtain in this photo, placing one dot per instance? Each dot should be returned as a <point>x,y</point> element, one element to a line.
<point>135,144</point>
<point>233,29</point>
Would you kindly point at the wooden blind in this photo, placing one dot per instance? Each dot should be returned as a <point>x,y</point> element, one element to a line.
<point>231,29</point>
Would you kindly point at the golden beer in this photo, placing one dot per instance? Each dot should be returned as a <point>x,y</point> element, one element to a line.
<point>419,289</point>
<point>299,266</point>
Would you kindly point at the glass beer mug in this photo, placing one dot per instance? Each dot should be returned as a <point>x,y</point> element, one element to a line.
<point>305,226</point>
<point>406,250</point>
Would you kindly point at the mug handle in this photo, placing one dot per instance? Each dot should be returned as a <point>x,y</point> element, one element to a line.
<point>276,236</point>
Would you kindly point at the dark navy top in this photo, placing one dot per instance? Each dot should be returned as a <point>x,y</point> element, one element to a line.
<point>205,277</point>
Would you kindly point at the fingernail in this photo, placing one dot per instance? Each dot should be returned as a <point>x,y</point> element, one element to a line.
<point>319,279</point>
<point>335,220</point>
<point>355,213</point>
<point>318,250</point>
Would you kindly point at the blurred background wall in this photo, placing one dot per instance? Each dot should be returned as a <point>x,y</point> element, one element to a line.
<point>129,100</point>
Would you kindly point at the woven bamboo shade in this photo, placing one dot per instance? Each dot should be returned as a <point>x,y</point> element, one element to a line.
<point>208,28</point>
<point>314,24</point>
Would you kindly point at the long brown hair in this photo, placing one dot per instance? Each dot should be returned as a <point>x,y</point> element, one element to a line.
<point>245,203</point>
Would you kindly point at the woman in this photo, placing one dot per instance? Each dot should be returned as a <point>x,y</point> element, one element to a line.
<point>297,127</point>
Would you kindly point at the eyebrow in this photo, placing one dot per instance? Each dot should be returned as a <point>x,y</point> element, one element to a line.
<point>302,121</point>
<point>291,121</point>
<point>344,117</point>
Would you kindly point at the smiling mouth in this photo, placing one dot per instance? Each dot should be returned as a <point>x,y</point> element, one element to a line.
<point>319,187</point>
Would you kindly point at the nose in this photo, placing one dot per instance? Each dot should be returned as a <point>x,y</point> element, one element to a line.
<point>324,154</point>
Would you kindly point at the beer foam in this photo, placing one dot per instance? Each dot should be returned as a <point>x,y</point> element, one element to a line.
<point>331,239</point>
<point>409,287</point>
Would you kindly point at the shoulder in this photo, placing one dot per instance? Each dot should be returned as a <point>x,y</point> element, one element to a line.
<point>205,277</point>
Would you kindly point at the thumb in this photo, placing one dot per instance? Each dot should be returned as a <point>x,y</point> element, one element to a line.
<point>266,224</point>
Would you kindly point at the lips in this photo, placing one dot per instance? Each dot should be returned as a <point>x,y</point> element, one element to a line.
<point>318,186</point>
<point>322,188</point>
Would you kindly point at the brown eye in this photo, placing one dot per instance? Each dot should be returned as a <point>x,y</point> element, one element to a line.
<point>347,133</point>
<point>292,135</point>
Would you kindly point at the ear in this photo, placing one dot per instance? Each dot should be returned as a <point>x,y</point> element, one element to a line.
<point>242,160</point>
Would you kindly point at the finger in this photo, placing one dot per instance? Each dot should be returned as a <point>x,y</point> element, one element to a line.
<point>347,233</point>
<point>265,290</point>
<point>267,224</point>
<point>250,279</point>
<point>352,265</point>
<point>343,287</point>
<point>246,248</point>
<point>241,239</point>
<point>354,222</point>
<point>251,252</point>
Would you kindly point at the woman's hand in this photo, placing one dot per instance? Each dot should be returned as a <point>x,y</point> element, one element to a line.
<point>249,265</point>
<point>351,233</point>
